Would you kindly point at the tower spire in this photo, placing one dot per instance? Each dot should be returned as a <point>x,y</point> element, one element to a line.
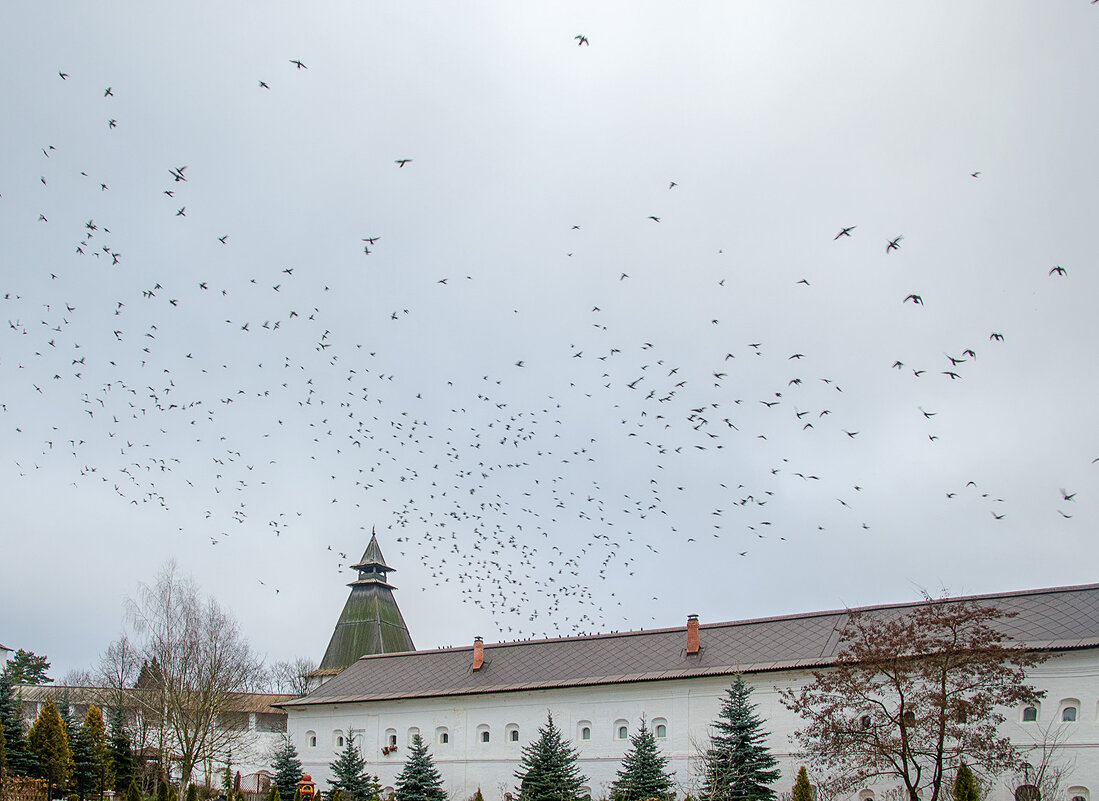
<point>371,621</point>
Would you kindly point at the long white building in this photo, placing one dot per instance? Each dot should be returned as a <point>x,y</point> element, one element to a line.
<point>479,705</point>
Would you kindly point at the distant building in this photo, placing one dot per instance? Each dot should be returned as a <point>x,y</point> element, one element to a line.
<point>5,654</point>
<point>478,705</point>
<point>255,720</point>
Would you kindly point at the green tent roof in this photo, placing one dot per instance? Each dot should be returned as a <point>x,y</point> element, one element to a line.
<point>371,622</point>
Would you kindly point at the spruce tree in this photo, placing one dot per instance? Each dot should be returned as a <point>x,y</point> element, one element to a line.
<point>738,765</point>
<point>85,765</point>
<point>97,736</point>
<point>803,791</point>
<point>20,758</point>
<point>50,743</point>
<point>3,757</point>
<point>349,768</point>
<point>192,792</point>
<point>286,766</point>
<point>419,780</point>
<point>965,784</point>
<point>132,793</point>
<point>548,768</point>
<point>644,772</point>
<point>121,753</point>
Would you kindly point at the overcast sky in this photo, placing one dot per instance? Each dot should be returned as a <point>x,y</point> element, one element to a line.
<point>606,362</point>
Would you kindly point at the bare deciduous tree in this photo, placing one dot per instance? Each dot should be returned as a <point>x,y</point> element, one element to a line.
<point>1044,764</point>
<point>912,694</point>
<point>202,662</point>
<point>290,676</point>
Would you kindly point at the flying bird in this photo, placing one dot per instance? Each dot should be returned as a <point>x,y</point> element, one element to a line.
<point>401,162</point>
<point>581,39</point>
<point>1059,270</point>
<point>263,85</point>
<point>916,300</point>
<point>894,244</point>
<point>844,232</point>
<point>298,64</point>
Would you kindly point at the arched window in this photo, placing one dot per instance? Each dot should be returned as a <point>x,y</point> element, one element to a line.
<point>1027,792</point>
<point>511,733</point>
<point>866,795</point>
<point>1030,714</point>
<point>621,730</point>
<point>442,736</point>
<point>660,728</point>
<point>1077,793</point>
<point>583,730</point>
<point>1070,708</point>
<point>311,738</point>
<point>391,737</point>
<point>483,733</point>
<point>337,738</point>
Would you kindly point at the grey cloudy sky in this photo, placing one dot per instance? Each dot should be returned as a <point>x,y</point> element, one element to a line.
<point>560,413</point>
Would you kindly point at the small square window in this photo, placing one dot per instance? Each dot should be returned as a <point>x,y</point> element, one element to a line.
<point>1030,714</point>
<point>1069,714</point>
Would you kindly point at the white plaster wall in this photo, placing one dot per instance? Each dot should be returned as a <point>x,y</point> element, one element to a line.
<point>688,706</point>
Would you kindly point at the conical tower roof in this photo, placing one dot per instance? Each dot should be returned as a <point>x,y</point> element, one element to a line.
<point>371,622</point>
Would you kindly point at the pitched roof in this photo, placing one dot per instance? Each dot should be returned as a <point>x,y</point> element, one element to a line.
<point>267,703</point>
<point>1054,618</point>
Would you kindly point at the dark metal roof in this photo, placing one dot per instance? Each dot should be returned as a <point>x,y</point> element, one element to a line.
<point>1054,618</point>
<point>264,703</point>
<point>371,623</point>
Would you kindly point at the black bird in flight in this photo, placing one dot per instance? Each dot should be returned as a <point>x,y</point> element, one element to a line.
<point>263,85</point>
<point>1059,270</point>
<point>298,64</point>
<point>654,219</point>
<point>64,75</point>
<point>108,92</point>
<point>581,39</point>
<point>401,162</point>
<point>894,244</point>
<point>177,173</point>
<point>997,336</point>
<point>976,174</point>
<point>916,300</point>
<point>844,232</point>
<point>112,124</point>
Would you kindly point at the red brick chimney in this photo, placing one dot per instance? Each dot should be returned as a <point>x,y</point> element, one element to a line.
<point>692,634</point>
<point>478,653</point>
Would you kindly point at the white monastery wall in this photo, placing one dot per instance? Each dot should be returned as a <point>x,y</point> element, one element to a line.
<point>685,707</point>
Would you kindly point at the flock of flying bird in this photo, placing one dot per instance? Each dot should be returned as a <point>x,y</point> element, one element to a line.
<point>211,397</point>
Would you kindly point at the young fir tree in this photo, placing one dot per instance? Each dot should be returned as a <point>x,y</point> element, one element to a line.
<point>121,753</point>
<point>644,772</point>
<point>738,765</point>
<point>286,766</point>
<point>3,757</point>
<point>965,784</point>
<point>227,775</point>
<point>20,758</point>
<point>349,768</point>
<point>132,793</point>
<point>97,735</point>
<point>85,765</point>
<point>192,792</point>
<point>803,791</point>
<point>50,744</point>
<point>548,768</point>
<point>163,788</point>
<point>273,795</point>
<point>419,780</point>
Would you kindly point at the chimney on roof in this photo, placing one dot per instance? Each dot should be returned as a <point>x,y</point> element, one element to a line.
<point>478,653</point>
<point>692,634</point>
